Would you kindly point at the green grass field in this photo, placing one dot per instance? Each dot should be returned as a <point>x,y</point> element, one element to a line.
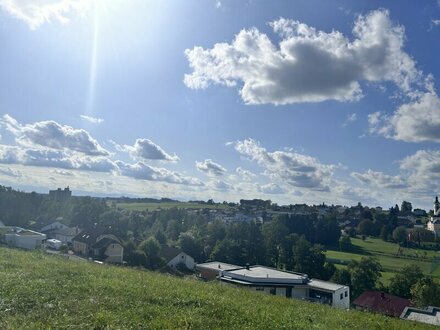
<point>165,206</point>
<point>40,291</point>
<point>386,254</point>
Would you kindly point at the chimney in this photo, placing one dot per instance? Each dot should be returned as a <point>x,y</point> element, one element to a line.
<point>247,266</point>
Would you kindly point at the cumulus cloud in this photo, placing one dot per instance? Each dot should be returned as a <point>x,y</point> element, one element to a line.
<point>210,168</point>
<point>272,188</point>
<point>92,120</point>
<point>381,180</point>
<point>10,172</point>
<point>220,185</point>
<point>142,171</point>
<point>52,135</point>
<point>54,158</point>
<point>246,175</point>
<point>352,117</point>
<point>147,150</point>
<point>416,121</point>
<point>288,167</point>
<point>37,12</point>
<point>307,65</point>
<point>423,170</point>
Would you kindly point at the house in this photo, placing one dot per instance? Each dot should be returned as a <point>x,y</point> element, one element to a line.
<point>175,257</point>
<point>53,226</point>
<point>381,302</point>
<point>210,270</point>
<point>287,284</point>
<point>434,223</point>
<point>65,235</point>
<point>60,194</point>
<point>22,238</point>
<point>99,243</point>
<point>430,315</point>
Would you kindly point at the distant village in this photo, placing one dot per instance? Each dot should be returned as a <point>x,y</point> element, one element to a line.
<point>169,248</point>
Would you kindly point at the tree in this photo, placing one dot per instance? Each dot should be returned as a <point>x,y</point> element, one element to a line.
<point>406,207</point>
<point>426,293</point>
<point>401,282</point>
<point>190,245</point>
<point>419,235</point>
<point>400,235</point>
<point>345,244</point>
<point>365,227</point>
<point>151,248</point>
<point>364,275</point>
<point>309,259</point>
<point>342,276</point>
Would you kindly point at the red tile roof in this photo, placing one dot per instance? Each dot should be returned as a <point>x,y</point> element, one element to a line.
<point>380,302</point>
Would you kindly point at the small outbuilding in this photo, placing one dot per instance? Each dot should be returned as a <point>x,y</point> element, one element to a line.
<point>175,257</point>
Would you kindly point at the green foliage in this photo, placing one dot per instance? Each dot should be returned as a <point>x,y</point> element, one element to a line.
<point>40,291</point>
<point>426,293</point>
<point>309,259</point>
<point>345,244</point>
<point>364,275</point>
<point>401,283</point>
<point>400,235</point>
<point>151,248</point>
<point>365,227</point>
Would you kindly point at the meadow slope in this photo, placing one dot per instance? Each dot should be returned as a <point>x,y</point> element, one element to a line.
<point>40,291</point>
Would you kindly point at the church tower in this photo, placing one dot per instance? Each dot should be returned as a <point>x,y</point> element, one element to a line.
<point>436,207</point>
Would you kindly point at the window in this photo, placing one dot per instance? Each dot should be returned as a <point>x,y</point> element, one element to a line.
<point>273,291</point>
<point>346,293</point>
<point>259,288</point>
<point>342,296</point>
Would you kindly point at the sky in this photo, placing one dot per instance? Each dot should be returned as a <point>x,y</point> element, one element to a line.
<point>294,101</point>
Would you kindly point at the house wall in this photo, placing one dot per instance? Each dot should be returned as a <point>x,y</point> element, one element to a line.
<point>434,227</point>
<point>63,238</point>
<point>343,303</point>
<point>79,247</point>
<point>28,242</point>
<point>299,293</point>
<point>114,253</point>
<point>208,274</point>
<point>182,258</point>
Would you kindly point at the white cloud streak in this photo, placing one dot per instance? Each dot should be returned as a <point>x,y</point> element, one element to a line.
<point>210,168</point>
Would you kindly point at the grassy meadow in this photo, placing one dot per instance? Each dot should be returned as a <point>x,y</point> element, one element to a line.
<point>40,291</point>
<point>388,255</point>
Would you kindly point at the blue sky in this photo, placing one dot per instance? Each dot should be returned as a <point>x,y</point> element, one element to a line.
<point>293,101</point>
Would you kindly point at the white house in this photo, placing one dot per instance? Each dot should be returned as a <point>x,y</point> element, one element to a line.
<point>288,284</point>
<point>175,257</point>
<point>53,226</point>
<point>23,238</point>
<point>434,223</point>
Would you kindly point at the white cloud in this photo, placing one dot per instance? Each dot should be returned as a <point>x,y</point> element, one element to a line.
<point>148,150</point>
<point>416,121</point>
<point>92,120</point>
<point>220,185</point>
<point>37,12</point>
<point>352,117</point>
<point>52,135</point>
<point>288,167</point>
<point>435,22</point>
<point>10,172</point>
<point>381,180</point>
<point>54,158</point>
<point>218,4</point>
<point>246,175</point>
<point>142,171</point>
<point>307,65</point>
<point>272,188</point>
<point>211,168</point>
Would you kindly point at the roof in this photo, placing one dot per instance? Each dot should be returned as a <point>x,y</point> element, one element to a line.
<point>89,236</point>
<point>66,231</point>
<point>430,315</point>
<point>380,302</point>
<point>103,243</point>
<point>216,265</point>
<point>258,275</point>
<point>169,252</point>
<point>323,285</point>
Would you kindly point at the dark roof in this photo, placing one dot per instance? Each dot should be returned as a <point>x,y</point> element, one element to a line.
<point>89,236</point>
<point>169,252</point>
<point>380,302</point>
<point>103,243</point>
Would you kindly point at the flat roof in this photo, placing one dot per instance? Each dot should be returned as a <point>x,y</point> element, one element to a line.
<point>323,285</point>
<point>215,265</point>
<point>266,272</point>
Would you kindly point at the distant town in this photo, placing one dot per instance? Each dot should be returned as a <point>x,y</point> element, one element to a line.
<point>368,258</point>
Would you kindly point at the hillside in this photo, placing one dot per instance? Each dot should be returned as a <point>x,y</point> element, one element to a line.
<point>43,291</point>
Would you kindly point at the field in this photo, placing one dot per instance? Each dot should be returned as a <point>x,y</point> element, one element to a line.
<point>40,291</point>
<point>387,254</point>
<point>168,205</point>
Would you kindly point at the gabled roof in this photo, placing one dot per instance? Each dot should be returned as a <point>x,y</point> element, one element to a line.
<point>381,302</point>
<point>169,252</point>
<point>89,236</point>
<point>103,243</point>
<point>66,231</point>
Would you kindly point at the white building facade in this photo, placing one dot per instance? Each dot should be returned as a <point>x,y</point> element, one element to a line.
<point>288,284</point>
<point>23,238</point>
<point>434,223</point>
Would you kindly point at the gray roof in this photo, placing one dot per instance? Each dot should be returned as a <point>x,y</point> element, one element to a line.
<point>323,285</point>
<point>430,315</point>
<point>263,275</point>
<point>216,265</point>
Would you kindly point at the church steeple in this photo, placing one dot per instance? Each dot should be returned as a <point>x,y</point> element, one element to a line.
<point>436,206</point>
